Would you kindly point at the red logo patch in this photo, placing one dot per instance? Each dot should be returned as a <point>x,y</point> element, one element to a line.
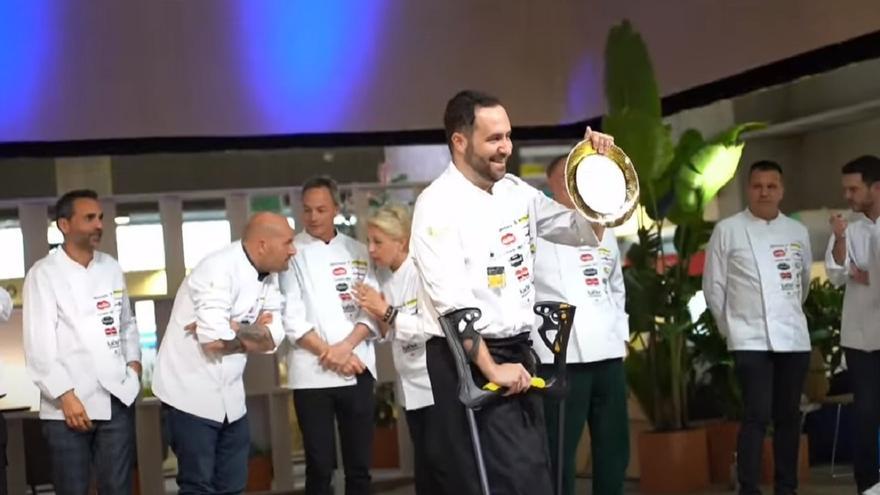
<point>586,257</point>
<point>345,296</point>
<point>103,304</point>
<point>785,275</point>
<point>522,274</point>
<point>592,281</point>
<point>339,271</point>
<point>508,239</point>
<point>779,253</point>
<point>110,331</point>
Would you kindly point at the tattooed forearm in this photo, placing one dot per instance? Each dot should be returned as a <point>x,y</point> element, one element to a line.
<point>233,346</point>
<point>224,347</point>
<point>255,338</point>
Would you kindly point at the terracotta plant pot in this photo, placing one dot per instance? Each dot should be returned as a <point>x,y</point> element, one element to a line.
<point>767,464</point>
<point>674,462</point>
<point>135,482</point>
<point>722,445</point>
<point>386,454</point>
<point>259,473</point>
<point>816,384</point>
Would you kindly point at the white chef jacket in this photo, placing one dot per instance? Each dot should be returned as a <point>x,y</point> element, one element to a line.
<point>591,279</point>
<point>79,333</point>
<point>861,303</point>
<point>224,286</point>
<point>476,249</point>
<point>318,296</point>
<point>401,289</point>
<point>756,279</point>
<point>5,313</point>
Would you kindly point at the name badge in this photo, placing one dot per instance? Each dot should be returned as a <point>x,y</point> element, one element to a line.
<point>495,277</point>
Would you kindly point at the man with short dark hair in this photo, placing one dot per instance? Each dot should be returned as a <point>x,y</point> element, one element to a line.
<point>756,279</point>
<point>474,236</point>
<point>849,259</point>
<point>332,365</point>
<point>82,350</point>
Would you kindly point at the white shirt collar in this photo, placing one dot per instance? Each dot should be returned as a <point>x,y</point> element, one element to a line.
<point>403,265</point>
<point>66,259</point>
<point>310,238</point>
<point>456,175</point>
<point>751,216</point>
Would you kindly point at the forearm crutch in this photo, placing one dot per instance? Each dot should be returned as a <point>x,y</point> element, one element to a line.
<point>458,326</point>
<point>557,317</point>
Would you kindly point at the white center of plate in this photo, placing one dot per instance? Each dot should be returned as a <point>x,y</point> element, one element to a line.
<point>601,184</point>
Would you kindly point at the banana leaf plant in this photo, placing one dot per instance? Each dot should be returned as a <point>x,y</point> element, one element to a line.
<point>677,180</point>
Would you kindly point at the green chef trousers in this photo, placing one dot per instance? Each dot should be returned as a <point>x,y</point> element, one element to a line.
<point>596,396</point>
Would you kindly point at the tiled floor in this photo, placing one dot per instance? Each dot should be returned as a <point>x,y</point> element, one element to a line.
<point>820,483</point>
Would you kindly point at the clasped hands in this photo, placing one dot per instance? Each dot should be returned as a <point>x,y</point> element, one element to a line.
<point>340,357</point>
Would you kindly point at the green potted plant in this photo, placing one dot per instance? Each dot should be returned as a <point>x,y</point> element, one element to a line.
<point>823,309</point>
<point>386,453</point>
<point>677,180</point>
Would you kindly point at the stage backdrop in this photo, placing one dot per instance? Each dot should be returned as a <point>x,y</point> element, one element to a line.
<point>73,70</point>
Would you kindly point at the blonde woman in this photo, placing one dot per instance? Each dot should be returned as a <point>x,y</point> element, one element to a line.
<point>394,306</point>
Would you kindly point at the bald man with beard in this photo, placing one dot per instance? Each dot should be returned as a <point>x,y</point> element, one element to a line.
<point>228,306</point>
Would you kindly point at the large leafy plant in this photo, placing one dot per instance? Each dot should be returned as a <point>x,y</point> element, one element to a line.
<point>677,180</point>
<point>823,309</point>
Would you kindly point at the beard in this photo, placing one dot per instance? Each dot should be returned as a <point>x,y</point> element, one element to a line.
<point>483,166</point>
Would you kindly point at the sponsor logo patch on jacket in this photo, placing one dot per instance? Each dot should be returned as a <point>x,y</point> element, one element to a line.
<point>342,287</point>
<point>339,271</point>
<point>107,320</point>
<point>103,304</point>
<point>586,257</point>
<point>508,239</point>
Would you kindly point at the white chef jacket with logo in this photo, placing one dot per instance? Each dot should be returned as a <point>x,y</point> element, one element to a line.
<point>223,287</point>
<point>318,296</point>
<point>79,333</point>
<point>860,323</point>
<point>401,290</point>
<point>756,279</point>
<point>591,279</point>
<point>476,249</point>
<point>5,313</point>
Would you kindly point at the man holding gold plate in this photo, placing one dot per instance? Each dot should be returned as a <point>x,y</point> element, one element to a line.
<point>474,237</point>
